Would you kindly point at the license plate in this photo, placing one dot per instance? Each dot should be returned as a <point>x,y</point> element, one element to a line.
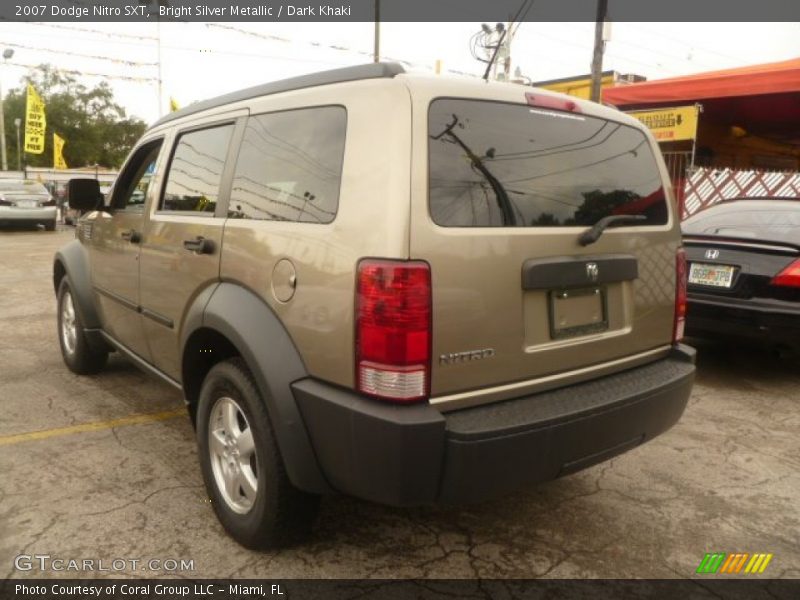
<point>714,275</point>
<point>577,312</point>
<point>27,204</point>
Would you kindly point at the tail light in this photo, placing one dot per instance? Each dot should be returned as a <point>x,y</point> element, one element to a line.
<point>680,296</point>
<point>50,202</point>
<point>789,277</point>
<point>393,329</point>
<point>552,102</point>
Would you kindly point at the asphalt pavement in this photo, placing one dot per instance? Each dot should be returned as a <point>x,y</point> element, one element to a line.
<point>104,468</point>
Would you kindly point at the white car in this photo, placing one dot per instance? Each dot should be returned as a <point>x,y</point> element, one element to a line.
<point>26,202</point>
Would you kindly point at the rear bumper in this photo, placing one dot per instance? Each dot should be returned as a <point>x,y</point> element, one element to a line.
<point>10,214</point>
<point>411,455</point>
<point>765,321</point>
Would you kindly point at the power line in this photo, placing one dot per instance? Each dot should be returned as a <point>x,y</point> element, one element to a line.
<point>130,63</point>
<point>86,73</point>
<point>96,31</point>
<point>691,46</point>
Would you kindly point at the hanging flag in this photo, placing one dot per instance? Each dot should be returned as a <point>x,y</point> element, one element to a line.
<point>35,122</point>
<point>173,104</point>
<point>58,153</point>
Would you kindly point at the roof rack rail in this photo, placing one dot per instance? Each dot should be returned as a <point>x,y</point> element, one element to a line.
<point>368,71</point>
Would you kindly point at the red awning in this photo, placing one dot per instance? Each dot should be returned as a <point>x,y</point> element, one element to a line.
<point>772,78</point>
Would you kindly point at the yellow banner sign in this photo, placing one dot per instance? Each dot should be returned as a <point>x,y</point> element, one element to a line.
<point>58,153</point>
<point>35,122</point>
<point>670,124</point>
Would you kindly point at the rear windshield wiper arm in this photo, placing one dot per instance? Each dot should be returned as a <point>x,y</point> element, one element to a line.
<point>591,235</point>
<point>509,218</point>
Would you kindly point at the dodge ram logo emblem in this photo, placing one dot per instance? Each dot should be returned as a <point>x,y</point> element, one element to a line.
<point>592,271</point>
<point>712,253</point>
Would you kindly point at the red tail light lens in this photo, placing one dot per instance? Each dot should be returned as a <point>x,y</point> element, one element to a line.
<point>554,103</point>
<point>789,277</point>
<point>393,329</point>
<point>680,296</point>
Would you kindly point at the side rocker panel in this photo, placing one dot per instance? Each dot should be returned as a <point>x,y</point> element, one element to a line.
<point>268,350</point>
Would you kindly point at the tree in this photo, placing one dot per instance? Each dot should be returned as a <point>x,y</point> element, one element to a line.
<point>96,128</point>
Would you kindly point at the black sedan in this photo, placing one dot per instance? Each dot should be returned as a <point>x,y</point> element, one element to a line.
<point>743,260</point>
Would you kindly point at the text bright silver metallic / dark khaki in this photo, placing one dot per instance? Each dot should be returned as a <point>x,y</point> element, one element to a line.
<point>407,288</point>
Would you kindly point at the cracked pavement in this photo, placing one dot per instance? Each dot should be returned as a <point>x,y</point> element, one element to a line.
<point>726,478</point>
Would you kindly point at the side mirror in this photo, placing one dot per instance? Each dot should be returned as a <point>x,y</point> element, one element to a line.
<point>84,194</point>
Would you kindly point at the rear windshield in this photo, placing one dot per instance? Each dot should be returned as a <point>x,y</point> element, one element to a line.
<point>22,187</point>
<point>495,164</point>
<point>760,219</point>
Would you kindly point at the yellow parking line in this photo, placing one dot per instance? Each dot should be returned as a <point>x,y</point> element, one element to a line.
<point>7,440</point>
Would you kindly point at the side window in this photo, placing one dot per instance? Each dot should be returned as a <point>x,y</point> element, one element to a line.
<point>290,166</point>
<point>196,169</point>
<point>130,192</point>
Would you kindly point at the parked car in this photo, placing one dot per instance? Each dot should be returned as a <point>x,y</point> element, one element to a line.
<point>744,271</point>
<point>409,289</point>
<point>26,202</point>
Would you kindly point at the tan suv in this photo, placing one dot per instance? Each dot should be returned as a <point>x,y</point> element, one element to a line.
<point>406,288</point>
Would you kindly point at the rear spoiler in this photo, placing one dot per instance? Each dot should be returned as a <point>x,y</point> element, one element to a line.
<point>733,242</point>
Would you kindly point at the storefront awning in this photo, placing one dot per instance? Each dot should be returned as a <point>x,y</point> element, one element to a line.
<point>756,80</point>
<point>763,99</point>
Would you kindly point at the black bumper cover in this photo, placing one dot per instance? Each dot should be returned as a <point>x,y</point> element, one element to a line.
<point>412,455</point>
<point>772,322</point>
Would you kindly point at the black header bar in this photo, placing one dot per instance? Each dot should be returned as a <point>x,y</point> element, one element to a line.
<point>337,11</point>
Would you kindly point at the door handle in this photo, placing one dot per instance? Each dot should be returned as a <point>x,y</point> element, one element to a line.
<point>199,245</point>
<point>132,236</point>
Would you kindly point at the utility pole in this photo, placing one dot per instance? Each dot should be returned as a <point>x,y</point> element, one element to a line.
<point>160,82</point>
<point>376,55</point>
<point>7,53</point>
<point>599,46</point>
<point>17,123</point>
<point>3,161</point>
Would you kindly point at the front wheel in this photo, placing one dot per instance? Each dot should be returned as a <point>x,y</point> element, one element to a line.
<point>78,355</point>
<point>242,466</point>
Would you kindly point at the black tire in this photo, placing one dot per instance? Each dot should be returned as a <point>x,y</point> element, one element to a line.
<point>278,513</point>
<point>50,226</point>
<point>81,358</point>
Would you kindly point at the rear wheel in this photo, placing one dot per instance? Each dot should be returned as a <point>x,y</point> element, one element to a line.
<point>78,355</point>
<point>242,466</point>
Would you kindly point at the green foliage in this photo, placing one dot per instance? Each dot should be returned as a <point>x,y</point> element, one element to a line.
<point>96,128</point>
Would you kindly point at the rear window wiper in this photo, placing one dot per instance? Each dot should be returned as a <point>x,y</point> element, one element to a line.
<point>509,218</point>
<point>591,235</point>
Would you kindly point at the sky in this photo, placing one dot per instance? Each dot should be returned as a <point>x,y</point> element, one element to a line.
<point>202,60</point>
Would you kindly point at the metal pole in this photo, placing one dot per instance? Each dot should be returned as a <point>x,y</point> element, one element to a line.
<point>599,45</point>
<point>17,123</point>
<point>158,42</point>
<point>376,55</point>
<point>2,131</point>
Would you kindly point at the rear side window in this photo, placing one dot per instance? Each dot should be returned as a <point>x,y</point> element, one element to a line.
<point>495,164</point>
<point>196,169</point>
<point>290,166</point>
